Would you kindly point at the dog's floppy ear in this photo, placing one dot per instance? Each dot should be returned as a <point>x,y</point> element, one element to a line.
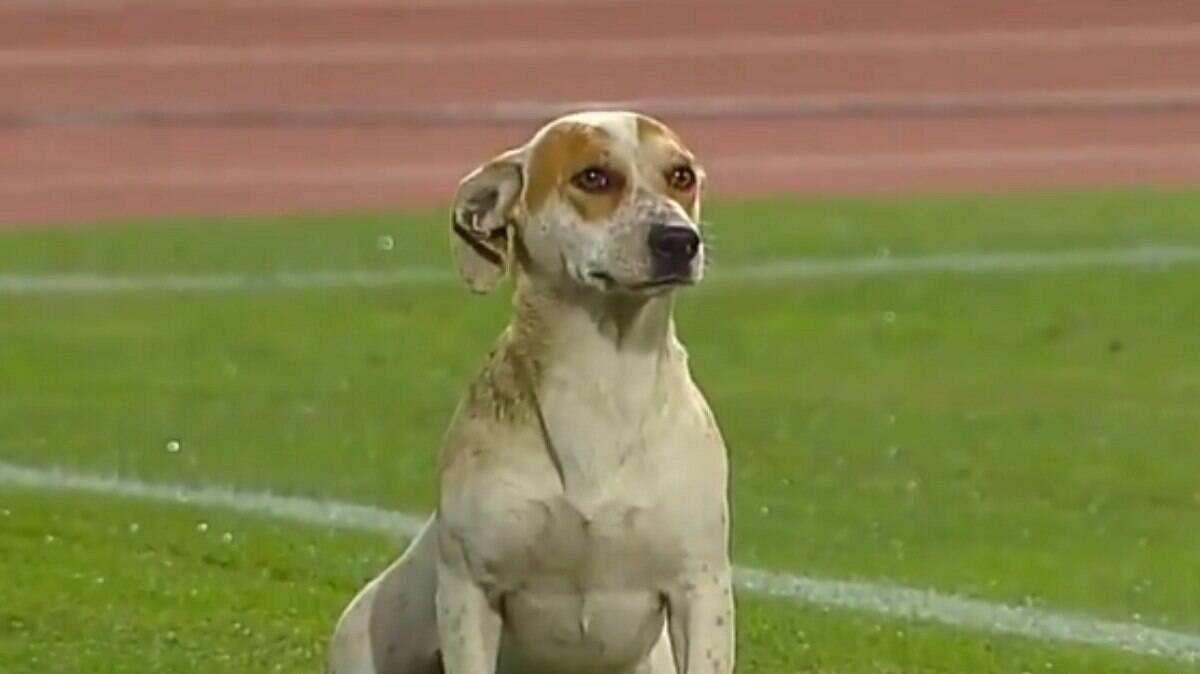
<point>481,220</point>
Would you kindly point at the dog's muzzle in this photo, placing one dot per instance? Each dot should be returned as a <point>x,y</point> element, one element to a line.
<point>672,249</point>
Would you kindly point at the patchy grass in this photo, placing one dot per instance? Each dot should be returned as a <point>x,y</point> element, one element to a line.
<point>1026,438</point>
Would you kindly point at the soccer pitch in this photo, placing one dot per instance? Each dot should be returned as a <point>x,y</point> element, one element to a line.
<point>986,398</point>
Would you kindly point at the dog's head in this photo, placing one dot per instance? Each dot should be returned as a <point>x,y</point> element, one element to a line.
<point>604,201</point>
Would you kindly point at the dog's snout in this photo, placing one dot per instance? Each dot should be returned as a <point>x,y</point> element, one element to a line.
<point>673,246</point>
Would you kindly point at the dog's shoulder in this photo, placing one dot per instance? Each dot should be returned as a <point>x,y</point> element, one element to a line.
<point>497,411</point>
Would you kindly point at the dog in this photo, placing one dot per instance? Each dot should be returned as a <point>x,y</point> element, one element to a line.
<point>583,522</point>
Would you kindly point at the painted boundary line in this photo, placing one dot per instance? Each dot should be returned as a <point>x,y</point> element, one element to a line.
<point>880,599</point>
<point>686,108</point>
<point>619,48</point>
<point>1142,257</point>
<point>90,284</point>
<point>1010,262</point>
<point>288,508</point>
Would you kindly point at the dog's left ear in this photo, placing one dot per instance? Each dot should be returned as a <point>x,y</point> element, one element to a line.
<point>482,218</point>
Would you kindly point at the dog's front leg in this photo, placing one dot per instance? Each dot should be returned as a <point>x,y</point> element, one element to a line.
<point>468,625</point>
<point>700,619</point>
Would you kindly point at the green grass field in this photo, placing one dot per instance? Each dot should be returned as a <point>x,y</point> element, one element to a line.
<point>1023,438</point>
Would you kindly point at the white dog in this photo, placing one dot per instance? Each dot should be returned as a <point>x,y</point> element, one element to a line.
<point>583,522</point>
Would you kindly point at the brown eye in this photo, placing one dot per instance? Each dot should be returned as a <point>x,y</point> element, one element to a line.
<point>682,178</point>
<point>593,179</point>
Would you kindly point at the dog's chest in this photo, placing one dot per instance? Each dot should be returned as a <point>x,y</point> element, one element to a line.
<point>582,591</point>
<point>620,533</point>
<point>605,502</point>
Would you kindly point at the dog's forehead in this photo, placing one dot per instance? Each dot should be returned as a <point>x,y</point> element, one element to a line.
<point>619,128</point>
<point>614,131</point>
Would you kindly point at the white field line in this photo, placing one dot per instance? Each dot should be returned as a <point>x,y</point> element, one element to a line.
<point>384,175</point>
<point>1009,262</point>
<point>1177,154</point>
<point>94,284</point>
<point>614,48</point>
<point>1142,257</point>
<point>878,598</point>
<point>293,509</point>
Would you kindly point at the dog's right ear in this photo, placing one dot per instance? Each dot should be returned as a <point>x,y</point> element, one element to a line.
<point>482,219</point>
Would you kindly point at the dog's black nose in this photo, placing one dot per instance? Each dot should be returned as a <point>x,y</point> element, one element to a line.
<point>673,246</point>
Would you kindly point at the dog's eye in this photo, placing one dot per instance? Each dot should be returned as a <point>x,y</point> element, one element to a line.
<point>682,178</point>
<point>593,179</point>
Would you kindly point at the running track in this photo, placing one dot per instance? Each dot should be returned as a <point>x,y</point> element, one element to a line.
<point>113,109</point>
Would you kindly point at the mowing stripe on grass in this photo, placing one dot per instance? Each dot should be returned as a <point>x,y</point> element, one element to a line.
<point>881,599</point>
<point>1144,257</point>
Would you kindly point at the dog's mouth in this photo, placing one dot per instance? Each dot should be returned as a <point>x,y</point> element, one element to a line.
<point>665,282</point>
<point>661,283</point>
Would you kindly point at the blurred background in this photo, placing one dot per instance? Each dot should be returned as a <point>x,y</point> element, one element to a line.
<point>950,327</point>
<point>122,108</point>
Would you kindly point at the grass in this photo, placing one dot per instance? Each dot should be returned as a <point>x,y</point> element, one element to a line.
<point>139,590</point>
<point>1022,438</point>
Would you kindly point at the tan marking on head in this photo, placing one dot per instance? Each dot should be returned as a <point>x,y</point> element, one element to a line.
<point>665,150</point>
<point>562,151</point>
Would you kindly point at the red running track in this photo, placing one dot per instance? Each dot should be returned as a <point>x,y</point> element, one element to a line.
<point>93,58</point>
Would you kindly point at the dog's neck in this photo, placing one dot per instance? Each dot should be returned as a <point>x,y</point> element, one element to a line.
<point>603,367</point>
<point>565,323</point>
<point>583,338</point>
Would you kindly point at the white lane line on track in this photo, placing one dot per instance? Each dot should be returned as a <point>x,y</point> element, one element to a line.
<point>1176,99</point>
<point>1147,257</point>
<point>68,6</point>
<point>612,48</point>
<point>219,177</point>
<point>882,599</point>
<point>384,175</point>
